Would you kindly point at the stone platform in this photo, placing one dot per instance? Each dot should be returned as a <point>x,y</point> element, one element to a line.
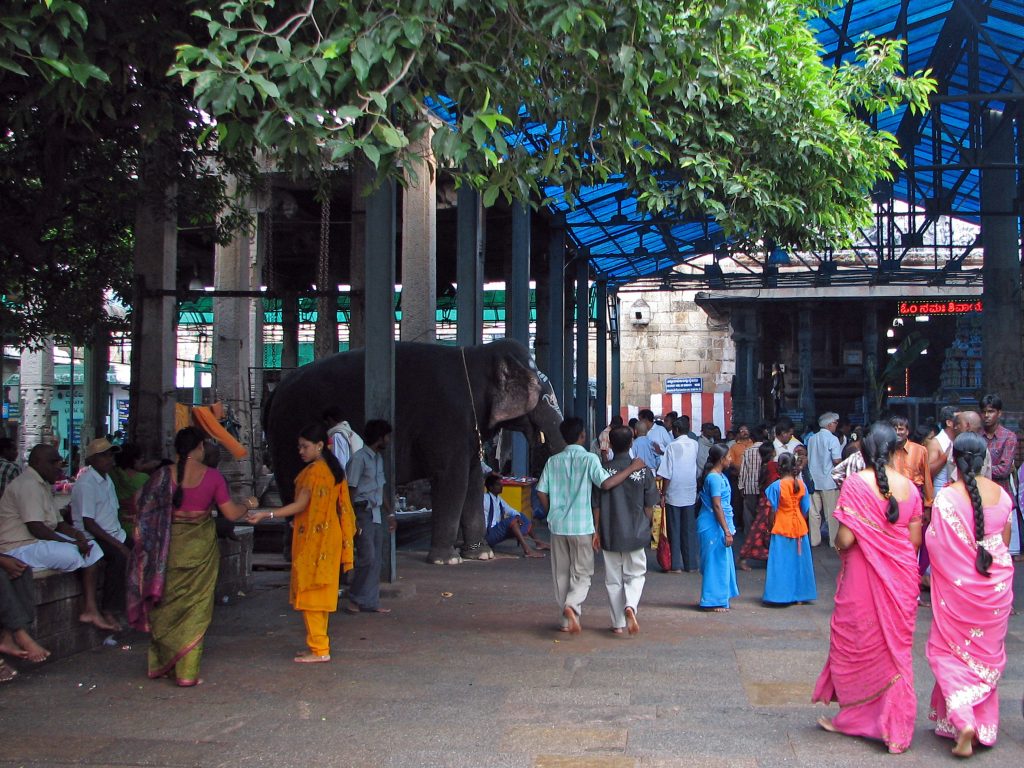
<point>469,671</point>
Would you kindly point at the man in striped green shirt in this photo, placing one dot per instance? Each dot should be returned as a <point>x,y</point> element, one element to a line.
<point>566,493</point>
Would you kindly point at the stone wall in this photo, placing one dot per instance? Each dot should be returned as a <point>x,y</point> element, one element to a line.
<point>680,340</point>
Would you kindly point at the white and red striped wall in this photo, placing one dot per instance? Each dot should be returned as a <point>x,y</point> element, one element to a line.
<point>715,407</point>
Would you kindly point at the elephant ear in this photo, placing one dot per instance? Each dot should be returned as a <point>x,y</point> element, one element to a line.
<point>516,392</point>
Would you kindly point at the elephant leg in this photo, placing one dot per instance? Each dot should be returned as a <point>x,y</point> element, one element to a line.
<point>448,487</point>
<point>474,545</point>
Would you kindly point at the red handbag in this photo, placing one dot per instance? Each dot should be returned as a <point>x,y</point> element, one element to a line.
<point>664,550</point>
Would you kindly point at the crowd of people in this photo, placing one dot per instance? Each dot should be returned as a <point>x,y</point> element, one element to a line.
<point>929,518</point>
<point>917,519</point>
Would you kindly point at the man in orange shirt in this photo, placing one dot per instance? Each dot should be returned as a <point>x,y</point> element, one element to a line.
<point>911,460</point>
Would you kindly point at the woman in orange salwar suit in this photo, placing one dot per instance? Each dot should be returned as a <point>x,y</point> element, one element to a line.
<point>321,541</point>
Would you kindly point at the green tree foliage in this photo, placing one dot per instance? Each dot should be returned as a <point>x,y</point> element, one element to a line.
<point>87,108</point>
<point>710,107</point>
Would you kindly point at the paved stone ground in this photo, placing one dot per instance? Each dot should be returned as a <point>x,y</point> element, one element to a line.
<point>469,671</point>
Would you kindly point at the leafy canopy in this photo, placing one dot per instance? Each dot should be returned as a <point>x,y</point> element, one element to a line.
<point>92,127</point>
<point>705,107</point>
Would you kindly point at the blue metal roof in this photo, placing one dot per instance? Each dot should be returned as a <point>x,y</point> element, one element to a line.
<point>975,49</point>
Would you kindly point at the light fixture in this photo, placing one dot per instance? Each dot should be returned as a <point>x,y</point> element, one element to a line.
<point>890,333</point>
<point>891,350</point>
<point>924,351</point>
<point>922,318</point>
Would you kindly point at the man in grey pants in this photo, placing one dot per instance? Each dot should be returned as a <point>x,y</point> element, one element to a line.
<point>365,473</point>
<point>17,611</point>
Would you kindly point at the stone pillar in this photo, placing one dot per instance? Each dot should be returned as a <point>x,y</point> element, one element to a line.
<point>469,297</point>
<point>873,385</point>
<point>325,330</point>
<point>419,244</point>
<point>1002,371</point>
<point>615,336</point>
<point>36,392</point>
<point>289,330</point>
<point>154,347</point>
<point>745,333</point>
<point>379,372</point>
<point>583,340</point>
<point>96,395</point>
<point>556,314</point>
<point>517,312</point>
<point>601,357</point>
<point>805,337</point>
<point>361,179</point>
<point>235,341</point>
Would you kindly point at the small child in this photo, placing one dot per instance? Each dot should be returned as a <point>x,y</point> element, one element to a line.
<point>623,515</point>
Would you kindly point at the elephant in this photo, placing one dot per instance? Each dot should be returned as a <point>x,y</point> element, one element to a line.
<point>447,400</point>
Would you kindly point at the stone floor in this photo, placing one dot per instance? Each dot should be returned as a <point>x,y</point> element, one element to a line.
<point>469,671</point>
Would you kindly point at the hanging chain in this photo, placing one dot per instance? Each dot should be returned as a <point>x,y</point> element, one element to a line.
<point>323,271</point>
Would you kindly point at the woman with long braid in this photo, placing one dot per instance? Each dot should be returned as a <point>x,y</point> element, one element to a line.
<point>972,598</point>
<point>870,670</point>
<point>172,572</point>
<point>715,530</point>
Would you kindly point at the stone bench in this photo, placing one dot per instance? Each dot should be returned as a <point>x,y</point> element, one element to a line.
<point>59,598</point>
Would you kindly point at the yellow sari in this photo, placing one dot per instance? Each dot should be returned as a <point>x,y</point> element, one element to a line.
<point>322,540</point>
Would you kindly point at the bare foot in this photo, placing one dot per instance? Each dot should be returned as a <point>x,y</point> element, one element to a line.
<point>826,724</point>
<point>312,658</point>
<point>531,553</point>
<point>631,623</point>
<point>574,623</point>
<point>190,683</point>
<point>33,651</point>
<point>97,621</point>
<point>965,743</point>
<point>112,619</point>
<point>616,630</point>
<point>744,566</point>
<point>541,546</point>
<point>9,648</point>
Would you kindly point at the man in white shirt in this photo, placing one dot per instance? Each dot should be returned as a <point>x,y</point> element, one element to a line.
<point>94,509</point>
<point>678,471</point>
<point>502,522</point>
<point>32,531</point>
<point>939,449</point>
<point>784,441</point>
<point>823,454</point>
<point>344,440</point>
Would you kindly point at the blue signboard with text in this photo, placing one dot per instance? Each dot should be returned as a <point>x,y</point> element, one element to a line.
<point>684,386</point>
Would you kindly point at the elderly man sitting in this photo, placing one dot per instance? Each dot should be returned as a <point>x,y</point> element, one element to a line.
<point>94,512</point>
<point>32,530</point>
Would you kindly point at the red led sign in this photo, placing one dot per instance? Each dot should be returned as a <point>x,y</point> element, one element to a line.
<point>946,307</point>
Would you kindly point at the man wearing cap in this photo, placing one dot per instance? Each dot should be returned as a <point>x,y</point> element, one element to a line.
<point>94,508</point>
<point>32,531</point>
<point>823,454</point>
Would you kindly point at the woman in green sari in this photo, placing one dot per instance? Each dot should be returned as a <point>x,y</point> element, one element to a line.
<point>174,565</point>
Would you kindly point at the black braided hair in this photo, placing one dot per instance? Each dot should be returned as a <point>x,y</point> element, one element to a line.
<point>766,452</point>
<point>877,447</point>
<point>184,443</point>
<point>316,432</point>
<point>969,454</point>
<point>787,468</point>
<point>715,455</point>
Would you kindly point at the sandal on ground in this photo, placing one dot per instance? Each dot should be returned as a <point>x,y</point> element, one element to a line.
<point>311,658</point>
<point>7,673</point>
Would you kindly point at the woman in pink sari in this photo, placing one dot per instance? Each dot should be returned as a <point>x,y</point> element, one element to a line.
<point>870,669</point>
<point>972,597</point>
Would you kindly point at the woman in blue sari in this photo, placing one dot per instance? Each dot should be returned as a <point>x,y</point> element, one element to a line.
<point>715,529</point>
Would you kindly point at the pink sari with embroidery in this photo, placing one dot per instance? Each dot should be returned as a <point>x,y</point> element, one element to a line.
<point>970,613</point>
<point>870,669</point>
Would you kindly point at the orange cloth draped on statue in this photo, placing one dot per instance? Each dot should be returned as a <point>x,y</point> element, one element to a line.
<point>319,543</point>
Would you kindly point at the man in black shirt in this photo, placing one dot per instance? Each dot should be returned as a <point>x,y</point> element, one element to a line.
<point>623,516</point>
